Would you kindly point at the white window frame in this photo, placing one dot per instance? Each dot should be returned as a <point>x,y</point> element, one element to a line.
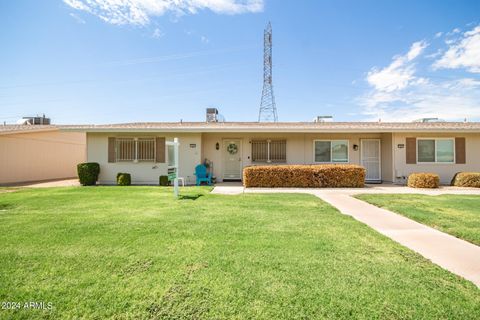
<point>135,140</point>
<point>269,141</point>
<point>331,150</point>
<point>436,140</point>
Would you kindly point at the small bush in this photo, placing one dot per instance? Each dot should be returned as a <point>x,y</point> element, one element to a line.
<point>88,173</point>
<point>466,179</point>
<point>423,180</point>
<point>124,179</point>
<point>163,181</point>
<point>305,176</point>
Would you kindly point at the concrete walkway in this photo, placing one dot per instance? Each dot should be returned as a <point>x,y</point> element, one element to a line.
<point>237,188</point>
<point>456,255</point>
<point>47,184</point>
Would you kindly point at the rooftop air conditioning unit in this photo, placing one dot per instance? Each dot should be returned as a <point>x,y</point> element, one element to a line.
<point>34,120</point>
<point>323,119</point>
<point>424,120</point>
<point>212,115</point>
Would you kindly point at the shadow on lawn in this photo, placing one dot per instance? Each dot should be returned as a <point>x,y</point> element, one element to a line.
<point>190,197</point>
<point>6,206</point>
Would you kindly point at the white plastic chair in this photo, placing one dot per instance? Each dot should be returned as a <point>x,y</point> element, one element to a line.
<point>181,179</point>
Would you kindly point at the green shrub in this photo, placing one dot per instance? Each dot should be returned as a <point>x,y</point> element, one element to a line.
<point>124,179</point>
<point>88,173</point>
<point>466,179</point>
<point>304,176</point>
<point>163,181</point>
<point>423,180</point>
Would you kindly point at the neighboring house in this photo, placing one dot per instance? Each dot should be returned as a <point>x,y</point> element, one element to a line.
<point>39,152</point>
<point>389,151</point>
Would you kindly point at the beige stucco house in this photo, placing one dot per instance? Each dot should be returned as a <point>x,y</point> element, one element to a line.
<point>389,151</point>
<point>39,152</point>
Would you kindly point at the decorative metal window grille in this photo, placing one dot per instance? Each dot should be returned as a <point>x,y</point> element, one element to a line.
<point>135,149</point>
<point>146,149</point>
<point>278,151</point>
<point>125,149</point>
<point>269,151</point>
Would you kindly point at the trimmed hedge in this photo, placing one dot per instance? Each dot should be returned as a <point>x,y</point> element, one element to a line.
<point>88,173</point>
<point>305,176</point>
<point>163,181</point>
<point>466,179</point>
<point>124,179</point>
<point>424,180</point>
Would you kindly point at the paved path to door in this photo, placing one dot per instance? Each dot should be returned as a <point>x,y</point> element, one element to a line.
<point>456,255</point>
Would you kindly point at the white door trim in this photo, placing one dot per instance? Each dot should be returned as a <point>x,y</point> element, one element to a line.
<point>240,156</point>
<point>379,157</point>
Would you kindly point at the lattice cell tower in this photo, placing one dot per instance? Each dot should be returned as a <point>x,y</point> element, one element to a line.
<point>268,110</point>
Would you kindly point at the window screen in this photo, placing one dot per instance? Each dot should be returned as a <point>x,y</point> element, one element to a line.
<point>335,151</point>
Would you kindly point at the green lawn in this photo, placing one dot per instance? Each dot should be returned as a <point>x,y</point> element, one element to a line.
<point>136,253</point>
<point>458,215</point>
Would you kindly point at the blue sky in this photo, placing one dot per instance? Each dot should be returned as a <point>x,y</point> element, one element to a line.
<point>149,60</point>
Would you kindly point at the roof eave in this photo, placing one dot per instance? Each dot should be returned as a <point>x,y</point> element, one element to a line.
<point>267,130</point>
<point>27,131</point>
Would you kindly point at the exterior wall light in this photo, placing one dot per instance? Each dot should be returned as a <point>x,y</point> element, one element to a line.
<point>355,147</point>
<point>217,146</point>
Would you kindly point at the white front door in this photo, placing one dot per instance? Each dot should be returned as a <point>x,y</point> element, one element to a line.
<point>232,159</point>
<point>371,159</point>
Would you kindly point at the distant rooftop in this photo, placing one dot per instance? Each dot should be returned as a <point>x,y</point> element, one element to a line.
<point>23,128</point>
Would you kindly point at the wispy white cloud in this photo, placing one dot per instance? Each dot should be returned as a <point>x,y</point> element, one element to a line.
<point>157,33</point>
<point>400,73</point>
<point>456,30</point>
<point>463,52</point>
<point>204,39</point>
<point>77,18</point>
<point>77,4</point>
<point>398,93</point>
<point>179,56</point>
<point>416,49</point>
<point>140,12</point>
<point>449,100</point>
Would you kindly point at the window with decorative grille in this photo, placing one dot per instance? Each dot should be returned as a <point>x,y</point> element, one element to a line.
<point>125,149</point>
<point>135,149</point>
<point>146,149</point>
<point>269,151</point>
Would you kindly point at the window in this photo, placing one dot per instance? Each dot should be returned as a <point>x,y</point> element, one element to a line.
<point>135,149</point>
<point>445,151</point>
<point>171,155</point>
<point>436,150</point>
<point>125,149</point>
<point>269,151</point>
<point>335,151</point>
<point>146,149</point>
